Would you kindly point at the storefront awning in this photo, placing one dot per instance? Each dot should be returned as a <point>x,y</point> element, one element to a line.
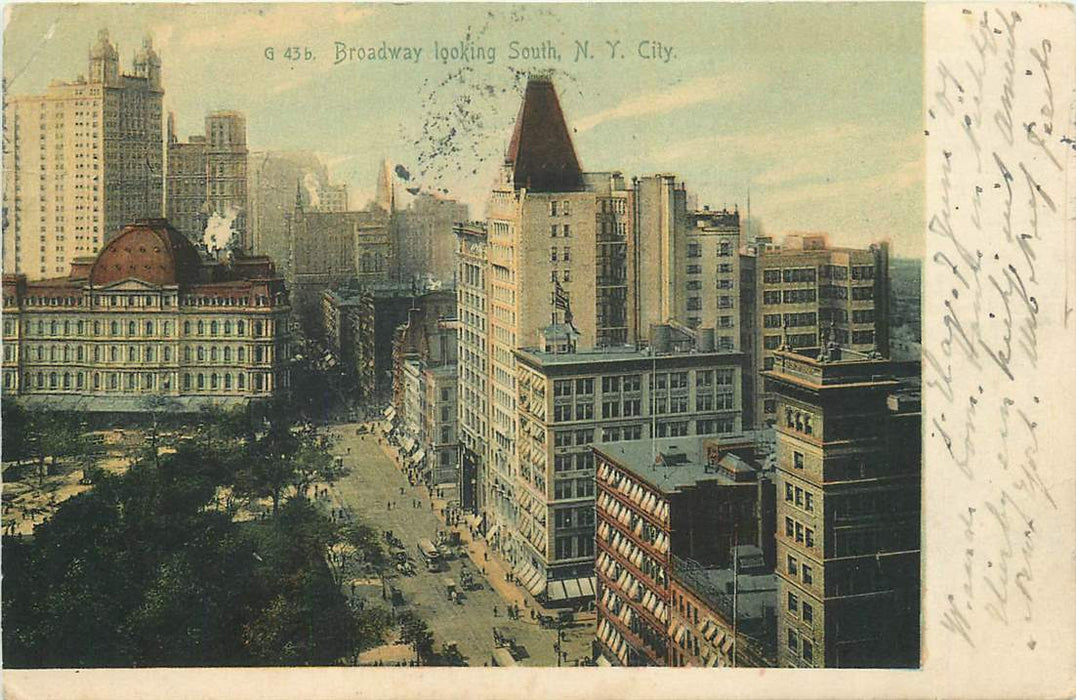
<point>571,589</point>
<point>418,457</point>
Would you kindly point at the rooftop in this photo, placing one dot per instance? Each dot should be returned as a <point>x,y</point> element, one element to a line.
<point>541,152</point>
<point>671,464</point>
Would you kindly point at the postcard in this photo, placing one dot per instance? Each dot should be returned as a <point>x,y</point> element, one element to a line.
<point>669,349</point>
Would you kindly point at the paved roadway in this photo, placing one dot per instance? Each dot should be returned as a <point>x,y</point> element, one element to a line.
<point>374,481</point>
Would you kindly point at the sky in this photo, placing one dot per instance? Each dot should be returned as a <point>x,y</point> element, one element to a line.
<point>815,109</point>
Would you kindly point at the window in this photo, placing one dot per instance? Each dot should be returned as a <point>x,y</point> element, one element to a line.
<point>553,230</point>
<point>788,493</point>
<point>799,532</point>
<point>553,253</point>
<point>809,502</point>
<point>791,565</point>
<point>808,613</point>
<point>567,234</point>
<point>793,641</point>
<point>793,603</point>
<point>808,576</point>
<point>567,254</point>
<point>553,208</point>
<point>799,496</point>
<point>810,537</point>
<point>808,651</point>
<point>789,527</point>
<point>694,269</point>
<point>797,460</point>
<point>694,250</point>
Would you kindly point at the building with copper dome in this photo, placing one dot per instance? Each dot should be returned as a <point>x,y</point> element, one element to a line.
<point>148,317</point>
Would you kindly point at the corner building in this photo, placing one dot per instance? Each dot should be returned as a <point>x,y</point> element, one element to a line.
<point>848,509</point>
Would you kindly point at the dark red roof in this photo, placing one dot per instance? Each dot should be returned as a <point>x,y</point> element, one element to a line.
<point>541,150</point>
<point>148,250</point>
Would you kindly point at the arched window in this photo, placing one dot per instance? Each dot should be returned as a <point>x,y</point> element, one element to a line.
<point>242,354</point>
<point>214,328</point>
<point>186,328</point>
<point>67,354</point>
<point>97,328</point>
<point>113,381</point>
<point>96,353</point>
<point>201,381</point>
<point>79,380</point>
<point>40,328</point>
<point>240,328</point>
<point>242,380</point>
<point>40,380</point>
<point>201,328</point>
<point>186,354</point>
<point>52,380</point>
<point>257,328</point>
<point>147,380</point>
<point>149,354</point>
<point>167,354</point>
<point>52,353</point>
<point>96,380</point>
<point>113,353</point>
<point>79,352</point>
<point>40,353</point>
<point>67,328</point>
<point>114,328</point>
<point>53,328</point>
<point>167,328</point>
<point>227,381</point>
<point>201,354</point>
<point>132,328</point>
<point>186,381</point>
<point>213,354</point>
<point>149,327</point>
<point>132,353</point>
<point>227,354</point>
<point>67,380</point>
<point>81,327</point>
<point>227,328</point>
<point>213,380</point>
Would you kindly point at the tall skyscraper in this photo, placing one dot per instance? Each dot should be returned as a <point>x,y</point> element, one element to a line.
<point>848,509</point>
<point>207,182</point>
<point>566,260</point>
<point>81,161</point>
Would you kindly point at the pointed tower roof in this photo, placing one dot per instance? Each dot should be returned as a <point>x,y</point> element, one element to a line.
<point>541,152</point>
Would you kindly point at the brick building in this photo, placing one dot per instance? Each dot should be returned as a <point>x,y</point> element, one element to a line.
<point>848,508</point>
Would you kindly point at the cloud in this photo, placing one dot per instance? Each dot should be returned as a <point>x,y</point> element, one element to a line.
<point>698,91</point>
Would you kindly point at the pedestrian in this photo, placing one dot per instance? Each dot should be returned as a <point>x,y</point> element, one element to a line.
<point>494,611</point>
<point>485,557</point>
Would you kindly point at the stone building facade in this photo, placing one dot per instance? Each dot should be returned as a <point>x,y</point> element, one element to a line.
<point>848,509</point>
<point>81,161</point>
<point>147,322</point>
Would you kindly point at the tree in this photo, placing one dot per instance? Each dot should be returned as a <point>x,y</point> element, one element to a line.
<point>415,632</point>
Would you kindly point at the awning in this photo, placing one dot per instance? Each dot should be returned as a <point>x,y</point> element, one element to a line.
<point>390,412</point>
<point>418,456</point>
<point>386,427</point>
<point>555,591</point>
<point>407,444</point>
<point>602,661</point>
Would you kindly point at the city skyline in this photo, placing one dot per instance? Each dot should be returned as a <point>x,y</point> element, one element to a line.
<point>789,113</point>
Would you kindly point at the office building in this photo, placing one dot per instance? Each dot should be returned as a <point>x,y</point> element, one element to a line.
<point>667,506</point>
<point>806,292</point>
<point>848,509</point>
<point>207,182</point>
<point>147,323</point>
<point>81,161</point>
<point>568,401</point>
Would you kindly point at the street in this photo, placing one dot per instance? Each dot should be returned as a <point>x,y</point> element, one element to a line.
<point>375,483</point>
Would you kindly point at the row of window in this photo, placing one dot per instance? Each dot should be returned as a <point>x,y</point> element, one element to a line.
<point>148,353</point>
<point>135,328</point>
<point>131,381</point>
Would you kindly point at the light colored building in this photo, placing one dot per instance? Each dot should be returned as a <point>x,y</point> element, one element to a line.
<point>565,259</point>
<point>806,292</point>
<point>81,161</point>
<point>207,182</point>
<point>848,509</point>
<point>567,401</point>
<point>147,322</point>
<point>473,396</point>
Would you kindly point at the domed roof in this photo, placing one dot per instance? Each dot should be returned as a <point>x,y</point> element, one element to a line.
<point>103,48</point>
<point>148,250</point>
